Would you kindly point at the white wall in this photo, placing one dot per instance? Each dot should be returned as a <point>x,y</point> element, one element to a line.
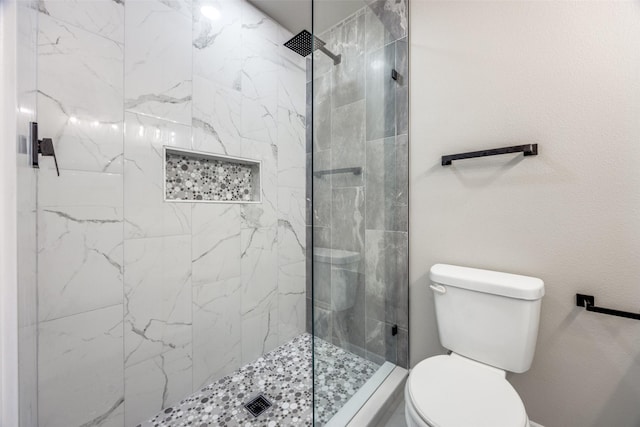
<point>567,76</point>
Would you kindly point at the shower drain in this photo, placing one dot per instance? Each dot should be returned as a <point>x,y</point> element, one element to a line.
<point>257,405</point>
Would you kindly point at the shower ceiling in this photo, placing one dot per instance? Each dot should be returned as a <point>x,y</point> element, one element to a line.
<point>295,15</point>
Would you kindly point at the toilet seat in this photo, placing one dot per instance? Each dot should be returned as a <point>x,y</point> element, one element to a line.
<point>451,391</point>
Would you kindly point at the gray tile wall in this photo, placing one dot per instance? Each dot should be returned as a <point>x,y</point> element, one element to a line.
<point>360,120</point>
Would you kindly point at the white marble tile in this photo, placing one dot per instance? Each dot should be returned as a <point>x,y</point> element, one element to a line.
<point>79,242</point>
<point>292,77</point>
<point>217,43</point>
<point>259,119</point>
<point>156,383</point>
<point>80,370</point>
<point>215,242</point>
<point>157,286</point>
<point>263,214</point>
<point>26,199</point>
<point>79,189</point>
<point>216,118</point>
<point>80,260</point>
<point>261,62</point>
<point>291,300</point>
<point>103,17</point>
<point>292,89</point>
<point>259,31</point>
<point>158,64</point>
<point>26,63</point>
<point>260,215</point>
<point>28,373</point>
<point>291,225</point>
<point>291,149</point>
<point>259,261</point>
<point>291,118</point>
<point>80,89</point>
<point>259,335</point>
<point>146,213</point>
<point>182,7</point>
<point>217,330</point>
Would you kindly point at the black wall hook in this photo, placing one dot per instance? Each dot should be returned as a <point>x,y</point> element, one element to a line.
<point>44,147</point>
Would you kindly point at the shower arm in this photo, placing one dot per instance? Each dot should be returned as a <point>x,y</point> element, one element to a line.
<point>336,58</point>
<point>304,44</point>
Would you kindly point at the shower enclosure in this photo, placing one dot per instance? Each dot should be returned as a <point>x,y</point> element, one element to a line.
<point>229,222</point>
<point>359,183</point>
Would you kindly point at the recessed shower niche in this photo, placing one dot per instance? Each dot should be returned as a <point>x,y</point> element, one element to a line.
<point>196,176</point>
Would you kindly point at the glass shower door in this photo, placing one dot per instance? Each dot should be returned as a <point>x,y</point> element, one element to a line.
<point>27,24</point>
<point>359,180</point>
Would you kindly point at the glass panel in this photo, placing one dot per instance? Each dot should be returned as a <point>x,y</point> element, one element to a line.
<point>141,302</point>
<point>27,16</point>
<point>360,215</point>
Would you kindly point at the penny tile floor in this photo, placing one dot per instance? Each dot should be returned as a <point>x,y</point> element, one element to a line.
<point>284,377</point>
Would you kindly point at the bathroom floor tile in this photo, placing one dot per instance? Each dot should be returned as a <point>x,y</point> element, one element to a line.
<point>284,377</point>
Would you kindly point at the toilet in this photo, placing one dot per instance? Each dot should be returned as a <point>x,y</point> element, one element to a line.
<point>489,322</point>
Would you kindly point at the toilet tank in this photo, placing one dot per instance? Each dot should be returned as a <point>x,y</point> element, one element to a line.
<point>488,316</point>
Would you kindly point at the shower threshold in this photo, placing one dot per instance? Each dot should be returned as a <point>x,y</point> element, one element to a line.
<point>284,377</point>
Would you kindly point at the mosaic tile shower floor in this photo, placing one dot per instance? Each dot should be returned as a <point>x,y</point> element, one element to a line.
<point>284,377</point>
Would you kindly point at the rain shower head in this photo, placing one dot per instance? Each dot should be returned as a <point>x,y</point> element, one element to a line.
<point>304,43</point>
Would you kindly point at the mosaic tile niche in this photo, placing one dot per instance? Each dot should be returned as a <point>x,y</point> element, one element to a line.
<point>202,177</point>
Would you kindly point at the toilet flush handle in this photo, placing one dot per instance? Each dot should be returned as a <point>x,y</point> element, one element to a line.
<point>439,289</point>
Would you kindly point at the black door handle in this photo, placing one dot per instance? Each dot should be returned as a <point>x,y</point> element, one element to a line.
<point>44,147</point>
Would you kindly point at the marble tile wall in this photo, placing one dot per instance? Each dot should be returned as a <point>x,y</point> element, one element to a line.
<point>80,215</point>
<point>142,301</point>
<point>360,120</point>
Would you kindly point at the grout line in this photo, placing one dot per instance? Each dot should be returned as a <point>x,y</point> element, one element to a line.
<point>40,322</point>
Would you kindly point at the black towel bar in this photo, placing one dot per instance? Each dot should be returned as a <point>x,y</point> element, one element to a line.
<point>589,301</point>
<point>354,170</point>
<point>527,150</point>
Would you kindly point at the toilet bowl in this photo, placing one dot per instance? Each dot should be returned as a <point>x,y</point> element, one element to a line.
<point>489,320</point>
<point>452,391</point>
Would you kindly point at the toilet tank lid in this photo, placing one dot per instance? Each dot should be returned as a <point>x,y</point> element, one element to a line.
<point>335,256</point>
<point>492,282</point>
